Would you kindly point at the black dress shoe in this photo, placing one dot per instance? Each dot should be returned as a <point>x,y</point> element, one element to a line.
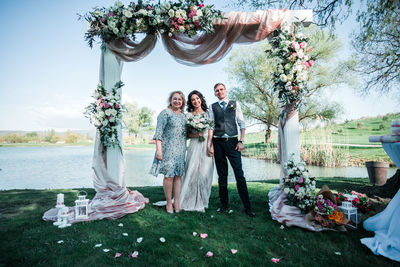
<point>250,213</point>
<point>221,209</point>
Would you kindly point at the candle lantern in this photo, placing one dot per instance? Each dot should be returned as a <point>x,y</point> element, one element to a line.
<point>350,212</point>
<point>81,206</point>
<point>59,206</point>
<point>64,218</point>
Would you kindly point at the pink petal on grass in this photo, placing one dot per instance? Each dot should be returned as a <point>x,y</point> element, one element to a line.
<point>194,233</point>
<point>275,260</point>
<point>209,254</point>
<point>234,251</point>
<point>117,255</point>
<point>135,254</point>
<point>203,235</point>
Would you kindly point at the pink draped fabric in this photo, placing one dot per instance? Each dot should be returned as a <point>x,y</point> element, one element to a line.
<point>236,27</point>
<point>112,201</point>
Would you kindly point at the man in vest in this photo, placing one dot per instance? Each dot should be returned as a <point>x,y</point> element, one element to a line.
<point>227,116</point>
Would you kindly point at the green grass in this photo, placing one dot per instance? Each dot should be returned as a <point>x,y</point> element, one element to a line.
<point>26,240</point>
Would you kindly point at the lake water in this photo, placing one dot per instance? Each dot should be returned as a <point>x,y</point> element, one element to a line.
<point>70,167</point>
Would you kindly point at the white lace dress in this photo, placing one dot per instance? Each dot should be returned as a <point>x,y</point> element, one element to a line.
<point>199,172</point>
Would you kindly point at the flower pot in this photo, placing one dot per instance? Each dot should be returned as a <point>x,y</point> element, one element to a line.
<point>377,172</point>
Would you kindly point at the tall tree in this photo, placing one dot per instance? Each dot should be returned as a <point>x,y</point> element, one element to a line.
<point>251,68</point>
<point>137,119</point>
<point>376,42</point>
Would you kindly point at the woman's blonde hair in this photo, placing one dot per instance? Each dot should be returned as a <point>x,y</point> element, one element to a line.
<point>182,96</point>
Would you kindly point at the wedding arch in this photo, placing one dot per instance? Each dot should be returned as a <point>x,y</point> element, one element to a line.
<point>193,34</point>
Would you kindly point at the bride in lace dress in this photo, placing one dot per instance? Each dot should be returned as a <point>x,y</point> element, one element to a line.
<point>199,168</point>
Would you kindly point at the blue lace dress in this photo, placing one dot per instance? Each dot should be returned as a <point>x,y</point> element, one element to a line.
<point>171,130</point>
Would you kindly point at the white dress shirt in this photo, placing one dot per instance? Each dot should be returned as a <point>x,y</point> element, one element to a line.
<point>238,114</point>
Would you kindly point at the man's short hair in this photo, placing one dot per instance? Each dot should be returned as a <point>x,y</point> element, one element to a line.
<point>217,84</point>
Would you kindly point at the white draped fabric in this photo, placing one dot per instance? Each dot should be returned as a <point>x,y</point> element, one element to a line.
<point>289,148</point>
<point>385,224</point>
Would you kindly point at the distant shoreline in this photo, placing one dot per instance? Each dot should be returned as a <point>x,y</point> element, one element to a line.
<point>126,147</point>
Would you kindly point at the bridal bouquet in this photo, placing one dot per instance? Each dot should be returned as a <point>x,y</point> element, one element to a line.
<point>199,124</point>
<point>105,113</point>
<point>299,186</point>
<point>325,209</point>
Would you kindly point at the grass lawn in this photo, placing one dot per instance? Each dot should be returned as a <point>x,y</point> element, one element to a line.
<point>26,240</point>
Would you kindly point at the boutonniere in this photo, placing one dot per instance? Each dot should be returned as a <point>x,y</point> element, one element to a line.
<point>232,107</point>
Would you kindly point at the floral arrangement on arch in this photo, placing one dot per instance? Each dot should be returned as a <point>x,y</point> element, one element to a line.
<point>199,123</point>
<point>120,21</point>
<point>105,113</point>
<point>360,201</point>
<point>299,186</point>
<point>291,50</point>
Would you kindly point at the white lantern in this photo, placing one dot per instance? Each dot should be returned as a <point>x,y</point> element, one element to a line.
<point>81,206</point>
<point>350,212</point>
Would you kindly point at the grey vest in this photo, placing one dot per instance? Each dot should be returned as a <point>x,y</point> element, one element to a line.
<point>225,121</point>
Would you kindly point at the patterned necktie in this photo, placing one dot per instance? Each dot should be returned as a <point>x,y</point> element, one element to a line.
<point>223,104</point>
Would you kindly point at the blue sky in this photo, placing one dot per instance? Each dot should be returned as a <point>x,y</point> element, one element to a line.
<point>48,72</point>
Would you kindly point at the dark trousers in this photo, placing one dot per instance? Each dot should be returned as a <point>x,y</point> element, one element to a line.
<point>225,149</point>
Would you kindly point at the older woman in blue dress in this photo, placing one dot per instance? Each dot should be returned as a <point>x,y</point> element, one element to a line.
<point>169,159</point>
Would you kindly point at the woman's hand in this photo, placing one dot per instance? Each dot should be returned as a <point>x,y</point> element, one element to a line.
<point>159,155</point>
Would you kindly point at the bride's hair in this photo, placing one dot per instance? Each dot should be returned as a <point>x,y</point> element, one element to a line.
<point>190,106</point>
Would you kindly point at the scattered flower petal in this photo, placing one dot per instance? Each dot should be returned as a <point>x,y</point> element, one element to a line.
<point>60,241</point>
<point>209,254</point>
<point>275,260</point>
<point>212,216</point>
<point>230,211</point>
<point>98,245</point>
<point>139,240</point>
<point>117,255</point>
<point>125,234</point>
<point>203,235</point>
<point>234,251</point>
<point>106,250</point>
<point>135,254</point>
<point>201,248</point>
<point>282,227</point>
<point>162,239</point>
<point>121,225</point>
<point>194,233</point>
<point>338,253</point>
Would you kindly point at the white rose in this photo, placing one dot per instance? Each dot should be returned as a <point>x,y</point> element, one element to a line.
<point>170,34</point>
<point>108,112</point>
<point>283,78</point>
<point>181,28</point>
<point>171,13</point>
<point>287,190</point>
<point>112,119</point>
<point>115,30</point>
<point>167,5</point>
<point>105,122</point>
<point>195,18</point>
<point>114,112</point>
<point>127,13</point>
<point>291,191</point>
<point>112,24</point>
<point>300,53</point>
<point>199,13</point>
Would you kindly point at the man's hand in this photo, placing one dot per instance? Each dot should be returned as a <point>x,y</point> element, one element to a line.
<point>239,146</point>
